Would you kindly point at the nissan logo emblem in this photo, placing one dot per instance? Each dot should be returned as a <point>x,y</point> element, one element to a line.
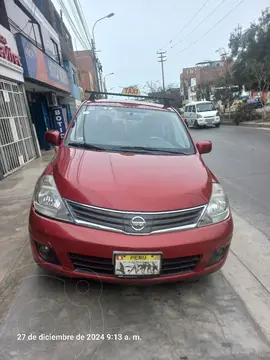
<point>137,223</point>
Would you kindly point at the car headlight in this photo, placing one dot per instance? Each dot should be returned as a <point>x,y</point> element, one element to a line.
<point>47,200</point>
<point>218,208</point>
<point>199,116</point>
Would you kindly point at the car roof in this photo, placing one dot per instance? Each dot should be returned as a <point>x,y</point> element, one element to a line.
<point>127,103</point>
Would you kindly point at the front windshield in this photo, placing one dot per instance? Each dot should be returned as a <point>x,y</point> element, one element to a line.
<point>208,106</point>
<point>133,129</point>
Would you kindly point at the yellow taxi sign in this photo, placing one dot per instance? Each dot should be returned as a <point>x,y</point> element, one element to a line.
<point>130,91</point>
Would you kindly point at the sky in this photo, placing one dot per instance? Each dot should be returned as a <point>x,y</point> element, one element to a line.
<point>129,40</point>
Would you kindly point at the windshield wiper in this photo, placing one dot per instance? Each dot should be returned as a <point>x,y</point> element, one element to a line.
<point>133,149</point>
<point>152,150</point>
<point>87,146</point>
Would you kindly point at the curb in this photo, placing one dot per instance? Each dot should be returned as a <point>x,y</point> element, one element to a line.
<point>246,124</point>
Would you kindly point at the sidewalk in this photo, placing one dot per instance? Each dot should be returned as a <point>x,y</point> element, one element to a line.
<point>255,124</point>
<point>16,193</point>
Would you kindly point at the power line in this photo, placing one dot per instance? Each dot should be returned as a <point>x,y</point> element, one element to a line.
<point>207,17</point>
<point>84,20</point>
<point>180,32</point>
<point>86,30</point>
<point>77,19</point>
<point>162,58</point>
<point>72,25</point>
<point>224,17</point>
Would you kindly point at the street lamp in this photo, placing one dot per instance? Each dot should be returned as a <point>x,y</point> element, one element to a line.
<point>108,75</point>
<point>99,80</point>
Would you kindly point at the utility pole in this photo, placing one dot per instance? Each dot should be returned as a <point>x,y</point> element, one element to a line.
<point>162,59</point>
<point>97,83</point>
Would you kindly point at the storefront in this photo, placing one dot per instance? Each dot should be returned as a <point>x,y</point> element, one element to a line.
<point>18,143</point>
<point>48,89</point>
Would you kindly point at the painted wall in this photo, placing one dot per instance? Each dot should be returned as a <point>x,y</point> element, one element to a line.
<point>75,90</point>
<point>86,67</point>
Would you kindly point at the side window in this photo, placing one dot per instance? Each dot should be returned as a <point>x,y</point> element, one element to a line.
<point>194,108</point>
<point>55,51</point>
<point>186,108</point>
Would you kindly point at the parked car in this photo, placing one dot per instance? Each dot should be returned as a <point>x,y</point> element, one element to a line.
<point>256,102</point>
<point>201,113</point>
<point>129,201</point>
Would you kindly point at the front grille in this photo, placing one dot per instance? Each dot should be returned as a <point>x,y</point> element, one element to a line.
<point>104,266</point>
<point>127,222</point>
<point>180,265</point>
<point>92,264</point>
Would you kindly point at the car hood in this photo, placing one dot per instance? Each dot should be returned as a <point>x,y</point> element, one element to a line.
<point>132,182</point>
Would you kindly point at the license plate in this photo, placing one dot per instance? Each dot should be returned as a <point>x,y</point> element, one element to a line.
<point>209,121</point>
<point>137,264</point>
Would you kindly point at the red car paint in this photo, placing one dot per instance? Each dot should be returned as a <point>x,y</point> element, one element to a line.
<point>133,183</point>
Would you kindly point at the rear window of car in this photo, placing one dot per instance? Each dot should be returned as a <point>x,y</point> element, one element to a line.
<point>117,127</point>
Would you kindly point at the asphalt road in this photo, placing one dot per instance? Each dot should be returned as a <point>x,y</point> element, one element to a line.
<point>205,320</point>
<point>241,160</point>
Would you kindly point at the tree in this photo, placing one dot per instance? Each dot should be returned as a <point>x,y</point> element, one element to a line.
<point>250,48</point>
<point>152,86</point>
<point>203,91</point>
<point>134,86</point>
<point>261,73</point>
<point>155,87</point>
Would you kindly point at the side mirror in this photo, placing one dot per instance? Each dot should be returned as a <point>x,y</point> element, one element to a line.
<point>53,137</point>
<point>204,147</point>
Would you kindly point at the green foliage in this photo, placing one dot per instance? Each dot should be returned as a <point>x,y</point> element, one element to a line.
<point>250,49</point>
<point>245,112</point>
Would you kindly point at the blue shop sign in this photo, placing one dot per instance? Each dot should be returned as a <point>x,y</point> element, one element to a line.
<point>58,119</point>
<point>39,66</point>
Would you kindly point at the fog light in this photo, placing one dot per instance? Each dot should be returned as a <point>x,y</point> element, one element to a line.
<point>217,255</point>
<point>47,254</point>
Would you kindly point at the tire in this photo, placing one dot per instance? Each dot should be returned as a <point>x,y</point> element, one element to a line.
<point>217,125</point>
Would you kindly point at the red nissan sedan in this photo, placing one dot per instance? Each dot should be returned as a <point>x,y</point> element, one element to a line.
<point>128,198</point>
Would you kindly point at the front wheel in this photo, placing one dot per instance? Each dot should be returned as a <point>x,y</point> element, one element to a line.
<point>217,125</point>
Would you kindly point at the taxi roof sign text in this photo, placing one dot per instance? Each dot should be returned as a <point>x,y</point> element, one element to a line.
<point>130,91</point>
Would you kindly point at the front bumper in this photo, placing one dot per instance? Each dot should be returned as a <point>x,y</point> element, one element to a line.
<point>66,238</point>
<point>204,121</point>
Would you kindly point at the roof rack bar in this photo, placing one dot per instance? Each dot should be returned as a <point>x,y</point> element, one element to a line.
<point>94,93</point>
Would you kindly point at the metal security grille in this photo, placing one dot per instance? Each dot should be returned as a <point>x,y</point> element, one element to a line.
<point>16,141</point>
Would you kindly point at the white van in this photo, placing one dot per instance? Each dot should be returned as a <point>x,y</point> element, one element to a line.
<point>201,113</point>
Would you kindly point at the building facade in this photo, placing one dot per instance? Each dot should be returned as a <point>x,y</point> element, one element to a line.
<point>47,81</point>
<point>202,75</point>
<point>86,70</point>
<point>18,143</point>
<point>69,61</point>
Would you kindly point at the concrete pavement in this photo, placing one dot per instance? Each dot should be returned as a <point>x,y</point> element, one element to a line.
<point>224,316</point>
<point>15,197</point>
